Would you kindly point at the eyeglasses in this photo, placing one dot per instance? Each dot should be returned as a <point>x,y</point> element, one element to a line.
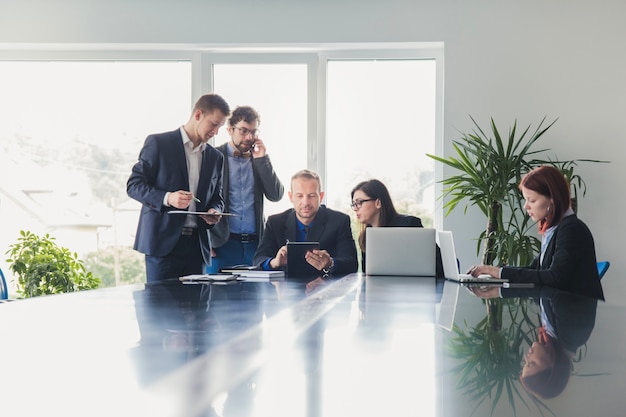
<point>356,204</point>
<point>245,132</point>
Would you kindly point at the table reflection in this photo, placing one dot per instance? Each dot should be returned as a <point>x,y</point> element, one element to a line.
<point>353,346</point>
<point>567,321</point>
<point>525,347</point>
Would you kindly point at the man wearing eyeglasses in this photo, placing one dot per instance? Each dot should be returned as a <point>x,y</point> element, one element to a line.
<point>309,220</point>
<point>248,177</point>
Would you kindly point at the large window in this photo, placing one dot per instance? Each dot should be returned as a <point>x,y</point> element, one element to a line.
<point>279,93</point>
<point>380,117</point>
<point>70,134</point>
<point>73,125</point>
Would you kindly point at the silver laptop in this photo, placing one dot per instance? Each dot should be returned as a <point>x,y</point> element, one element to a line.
<point>450,266</point>
<point>400,251</point>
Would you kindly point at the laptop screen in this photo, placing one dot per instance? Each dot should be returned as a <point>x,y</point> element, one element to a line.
<point>400,251</point>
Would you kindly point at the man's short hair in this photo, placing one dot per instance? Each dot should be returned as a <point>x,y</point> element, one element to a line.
<point>208,103</point>
<point>245,113</point>
<point>307,174</point>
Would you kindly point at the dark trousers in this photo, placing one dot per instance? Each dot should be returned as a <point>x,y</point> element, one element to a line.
<point>232,253</point>
<point>185,259</point>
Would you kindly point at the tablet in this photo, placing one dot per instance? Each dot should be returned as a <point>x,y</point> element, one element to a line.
<point>297,266</point>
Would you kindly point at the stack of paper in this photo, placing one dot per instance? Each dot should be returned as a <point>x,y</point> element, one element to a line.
<point>208,278</point>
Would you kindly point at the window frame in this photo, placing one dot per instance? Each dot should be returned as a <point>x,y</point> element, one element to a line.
<point>315,56</point>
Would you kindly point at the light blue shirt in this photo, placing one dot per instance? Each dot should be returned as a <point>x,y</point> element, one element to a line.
<point>241,194</point>
<point>547,236</point>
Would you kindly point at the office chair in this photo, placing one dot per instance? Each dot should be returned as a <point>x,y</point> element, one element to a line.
<point>4,291</point>
<point>603,267</point>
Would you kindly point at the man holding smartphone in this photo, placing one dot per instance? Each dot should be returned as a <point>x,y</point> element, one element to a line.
<point>248,177</point>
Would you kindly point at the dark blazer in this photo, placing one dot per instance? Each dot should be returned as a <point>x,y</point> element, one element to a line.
<point>266,184</point>
<point>162,167</point>
<point>403,220</point>
<point>569,262</point>
<point>572,316</point>
<point>330,228</point>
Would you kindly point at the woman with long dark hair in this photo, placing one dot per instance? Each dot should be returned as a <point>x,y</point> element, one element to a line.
<point>373,206</point>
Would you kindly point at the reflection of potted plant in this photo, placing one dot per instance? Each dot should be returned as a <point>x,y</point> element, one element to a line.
<point>491,354</point>
<point>490,168</point>
<point>42,267</point>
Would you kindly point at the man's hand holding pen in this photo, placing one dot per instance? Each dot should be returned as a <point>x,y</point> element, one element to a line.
<point>181,199</point>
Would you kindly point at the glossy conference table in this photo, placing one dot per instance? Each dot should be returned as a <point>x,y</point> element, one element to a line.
<point>352,346</point>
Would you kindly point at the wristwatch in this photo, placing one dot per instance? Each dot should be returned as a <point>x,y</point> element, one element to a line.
<point>328,270</point>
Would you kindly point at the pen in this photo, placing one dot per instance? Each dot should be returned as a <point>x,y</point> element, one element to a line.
<point>196,199</point>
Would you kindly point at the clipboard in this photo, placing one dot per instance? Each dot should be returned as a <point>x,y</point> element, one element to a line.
<point>199,213</point>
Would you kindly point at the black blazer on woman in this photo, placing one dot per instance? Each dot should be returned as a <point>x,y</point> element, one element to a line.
<point>569,262</point>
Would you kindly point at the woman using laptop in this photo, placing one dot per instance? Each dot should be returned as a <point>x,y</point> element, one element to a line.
<point>373,207</point>
<point>568,259</point>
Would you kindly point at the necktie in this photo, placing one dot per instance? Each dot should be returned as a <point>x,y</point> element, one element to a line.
<point>238,153</point>
<point>306,233</point>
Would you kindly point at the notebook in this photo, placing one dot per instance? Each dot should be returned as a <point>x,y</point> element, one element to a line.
<point>400,251</point>
<point>251,271</point>
<point>450,268</point>
<point>207,278</point>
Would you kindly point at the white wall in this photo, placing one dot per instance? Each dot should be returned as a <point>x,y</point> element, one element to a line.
<point>504,59</point>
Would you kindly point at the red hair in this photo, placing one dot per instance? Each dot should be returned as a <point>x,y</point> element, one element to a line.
<point>552,381</point>
<point>550,182</point>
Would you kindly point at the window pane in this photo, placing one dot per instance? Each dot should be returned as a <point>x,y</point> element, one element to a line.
<point>279,93</point>
<point>381,124</point>
<point>70,134</point>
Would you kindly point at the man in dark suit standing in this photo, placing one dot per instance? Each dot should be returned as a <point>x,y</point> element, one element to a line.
<point>179,170</point>
<point>308,220</point>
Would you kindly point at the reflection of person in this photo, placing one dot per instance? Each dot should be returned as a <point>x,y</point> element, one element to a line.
<point>248,177</point>
<point>172,318</point>
<point>178,170</point>
<point>568,259</point>
<point>567,321</point>
<point>308,220</point>
<point>374,208</point>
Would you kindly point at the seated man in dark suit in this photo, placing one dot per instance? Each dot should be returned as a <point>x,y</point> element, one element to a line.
<point>308,220</point>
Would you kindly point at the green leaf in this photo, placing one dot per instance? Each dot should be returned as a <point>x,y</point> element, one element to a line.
<point>42,267</point>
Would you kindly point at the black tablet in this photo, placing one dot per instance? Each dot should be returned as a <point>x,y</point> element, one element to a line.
<point>297,266</point>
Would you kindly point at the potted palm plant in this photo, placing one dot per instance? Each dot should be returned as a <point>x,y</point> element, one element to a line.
<point>490,167</point>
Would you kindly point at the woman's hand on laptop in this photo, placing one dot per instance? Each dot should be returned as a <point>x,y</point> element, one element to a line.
<point>477,270</point>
